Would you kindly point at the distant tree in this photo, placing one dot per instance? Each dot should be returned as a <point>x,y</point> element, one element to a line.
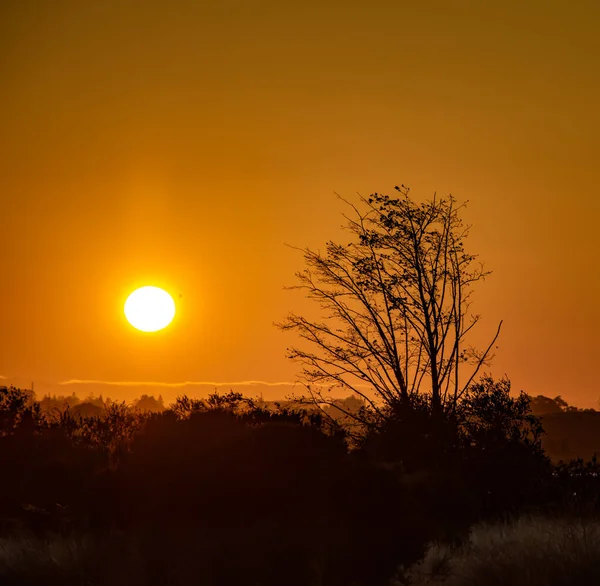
<point>342,407</point>
<point>562,403</point>
<point>87,409</point>
<point>396,303</point>
<point>349,415</point>
<point>99,401</point>
<point>50,403</point>
<point>150,403</point>
<point>542,405</point>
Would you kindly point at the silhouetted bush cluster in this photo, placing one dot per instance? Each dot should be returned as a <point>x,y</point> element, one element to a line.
<point>227,491</point>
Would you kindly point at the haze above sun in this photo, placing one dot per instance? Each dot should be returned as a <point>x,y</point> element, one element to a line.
<point>149,309</point>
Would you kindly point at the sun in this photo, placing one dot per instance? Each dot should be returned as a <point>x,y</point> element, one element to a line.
<point>149,309</point>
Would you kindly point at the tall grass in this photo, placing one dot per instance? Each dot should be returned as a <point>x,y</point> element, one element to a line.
<point>66,561</point>
<point>531,551</point>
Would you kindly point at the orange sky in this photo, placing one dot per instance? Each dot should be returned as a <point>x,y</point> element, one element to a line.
<point>183,143</point>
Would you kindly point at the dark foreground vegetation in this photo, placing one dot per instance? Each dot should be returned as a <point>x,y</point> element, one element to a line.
<point>227,491</point>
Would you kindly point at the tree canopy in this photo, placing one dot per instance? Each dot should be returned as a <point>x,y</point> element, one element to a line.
<point>395,304</point>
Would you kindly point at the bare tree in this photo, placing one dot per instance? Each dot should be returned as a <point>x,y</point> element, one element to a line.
<point>396,305</point>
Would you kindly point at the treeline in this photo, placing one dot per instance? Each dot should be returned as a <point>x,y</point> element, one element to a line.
<point>569,432</point>
<point>93,405</point>
<point>228,490</point>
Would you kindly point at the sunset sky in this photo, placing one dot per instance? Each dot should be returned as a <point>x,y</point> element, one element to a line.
<point>182,144</point>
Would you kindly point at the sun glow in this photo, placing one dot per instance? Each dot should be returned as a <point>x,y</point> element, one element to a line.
<point>149,309</point>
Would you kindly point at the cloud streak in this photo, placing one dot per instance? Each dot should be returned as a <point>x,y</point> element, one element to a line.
<point>187,383</point>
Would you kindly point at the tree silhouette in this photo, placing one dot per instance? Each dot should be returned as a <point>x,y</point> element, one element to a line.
<point>148,403</point>
<point>18,411</point>
<point>396,304</point>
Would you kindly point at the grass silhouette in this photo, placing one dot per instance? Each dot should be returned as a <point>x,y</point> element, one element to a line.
<point>530,551</point>
<point>76,559</point>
